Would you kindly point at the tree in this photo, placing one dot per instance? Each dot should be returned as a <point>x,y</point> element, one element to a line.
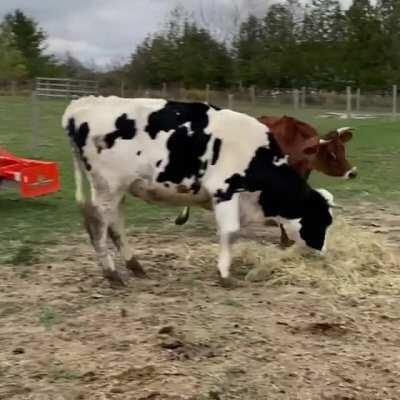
<point>181,53</point>
<point>364,59</point>
<point>389,16</point>
<point>29,39</point>
<point>247,48</point>
<point>12,63</point>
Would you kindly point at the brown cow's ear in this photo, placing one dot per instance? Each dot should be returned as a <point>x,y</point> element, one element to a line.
<point>311,149</point>
<point>345,136</point>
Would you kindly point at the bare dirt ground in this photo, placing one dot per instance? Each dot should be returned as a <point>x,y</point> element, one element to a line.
<point>65,335</point>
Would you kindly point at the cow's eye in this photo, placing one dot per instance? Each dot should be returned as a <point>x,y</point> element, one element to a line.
<point>333,155</point>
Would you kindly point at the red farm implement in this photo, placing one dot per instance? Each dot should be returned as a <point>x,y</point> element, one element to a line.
<point>32,177</point>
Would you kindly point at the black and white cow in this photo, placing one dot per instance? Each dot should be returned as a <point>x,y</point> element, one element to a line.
<point>185,153</point>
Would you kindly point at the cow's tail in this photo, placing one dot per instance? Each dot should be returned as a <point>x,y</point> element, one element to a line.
<point>183,216</point>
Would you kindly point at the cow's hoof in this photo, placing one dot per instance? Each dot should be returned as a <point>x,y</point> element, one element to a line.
<point>115,279</point>
<point>285,243</point>
<point>229,283</point>
<point>135,268</point>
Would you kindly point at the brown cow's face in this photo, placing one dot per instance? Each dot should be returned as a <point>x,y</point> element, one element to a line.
<point>331,157</point>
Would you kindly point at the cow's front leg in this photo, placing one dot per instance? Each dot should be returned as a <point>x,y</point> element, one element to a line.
<point>227,218</point>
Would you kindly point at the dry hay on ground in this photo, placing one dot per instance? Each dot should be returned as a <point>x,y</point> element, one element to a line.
<point>356,261</point>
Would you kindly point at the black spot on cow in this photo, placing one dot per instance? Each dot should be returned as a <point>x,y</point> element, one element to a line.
<point>216,149</point>
<point>79,137</point>
<point>139,153</point>
<point>282,193</point>
<point>186,144</point>
<point>158,163</point>
<point>125,129</point>
<point>175,114</point>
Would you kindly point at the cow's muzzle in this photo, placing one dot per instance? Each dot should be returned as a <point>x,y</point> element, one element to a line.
<point>351,173</point>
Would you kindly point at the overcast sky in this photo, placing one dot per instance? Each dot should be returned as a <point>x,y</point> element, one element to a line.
<point>107,31</point>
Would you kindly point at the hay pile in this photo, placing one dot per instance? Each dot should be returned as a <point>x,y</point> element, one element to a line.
<point>356,261</point>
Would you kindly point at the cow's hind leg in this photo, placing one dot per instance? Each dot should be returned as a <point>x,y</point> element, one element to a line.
<point>227,218</point>
<point>117,234</point>
<point>97,220</point>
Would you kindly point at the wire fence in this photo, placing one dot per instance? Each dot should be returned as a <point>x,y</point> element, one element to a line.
<point>348,101</point>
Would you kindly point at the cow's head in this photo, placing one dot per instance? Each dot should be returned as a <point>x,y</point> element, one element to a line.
<point>331,157</point>
<point>312,228</point>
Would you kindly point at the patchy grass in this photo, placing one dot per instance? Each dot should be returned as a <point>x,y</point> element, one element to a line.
<point>42,220</point>
<point>60,373</point>
<point>48,317</point>
<point>25,255</point>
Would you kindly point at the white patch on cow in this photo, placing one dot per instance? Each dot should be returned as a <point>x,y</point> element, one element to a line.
<point>280,161</point>
<point>328,196</point>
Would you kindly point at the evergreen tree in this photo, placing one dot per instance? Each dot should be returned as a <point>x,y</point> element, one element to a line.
<point>12,63</point>
<point>248,47</point>
<point>29,39</point>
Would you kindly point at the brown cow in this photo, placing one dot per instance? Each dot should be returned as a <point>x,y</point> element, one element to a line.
<point>306,151</point>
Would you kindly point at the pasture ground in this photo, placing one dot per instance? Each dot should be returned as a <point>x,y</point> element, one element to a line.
<point>65,335</point>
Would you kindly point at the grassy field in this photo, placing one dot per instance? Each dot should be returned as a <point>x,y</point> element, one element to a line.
<point>374,150</point>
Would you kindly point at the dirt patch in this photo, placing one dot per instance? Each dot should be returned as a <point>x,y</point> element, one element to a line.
<point>64,334</point>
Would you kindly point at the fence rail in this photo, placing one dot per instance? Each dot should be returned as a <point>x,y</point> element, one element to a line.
<point>64,87</point>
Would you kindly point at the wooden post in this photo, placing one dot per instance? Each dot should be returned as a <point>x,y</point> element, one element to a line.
<point>296,98</point>
<point>122,88</point>
<point>303,97</point>
<point>147,93</point>
<point>348,101</point>
<point>252,92</point>
<point>240,86</point>
<point>207,93</point>
<point>394,109</point>
<point>230,101</point>
<point>35,123</point>
<point>182,93</point>
<point>164,90</point>
<point>358,99</point>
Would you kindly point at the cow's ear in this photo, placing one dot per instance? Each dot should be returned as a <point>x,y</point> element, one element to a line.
<point>311,150</point>
<point>345,136</point>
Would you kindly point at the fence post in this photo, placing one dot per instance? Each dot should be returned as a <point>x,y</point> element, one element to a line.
<point>394,109</point>
<point>122,88</point>
<point>252,92</point>
<point>240,86</point>
<point>230,101</point>
<point>296,99</point>
<point>146,93</point>
<point>13,88</point>
<point>35,122</point>
<point>182,93</point>
<point>358,99</point>
<point>164,90</point>
<point>348,102</point>
<point>303,97</point>
<point>207,93</point>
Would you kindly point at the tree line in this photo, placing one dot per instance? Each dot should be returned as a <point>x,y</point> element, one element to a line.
<point>317,45</point>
